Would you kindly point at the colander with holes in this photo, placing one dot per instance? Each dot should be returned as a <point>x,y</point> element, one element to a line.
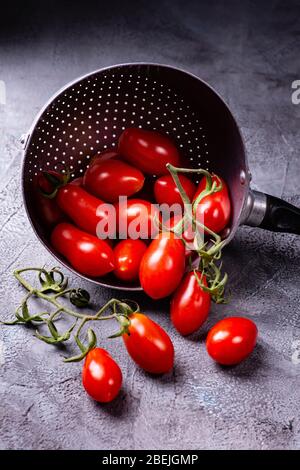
<point>88,116</point>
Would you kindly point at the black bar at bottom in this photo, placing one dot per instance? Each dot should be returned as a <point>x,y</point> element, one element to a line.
<point>137,458</point>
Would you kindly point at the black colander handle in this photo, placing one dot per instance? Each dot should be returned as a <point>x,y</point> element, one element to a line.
<point>281,216</point>
<point>271,213</point>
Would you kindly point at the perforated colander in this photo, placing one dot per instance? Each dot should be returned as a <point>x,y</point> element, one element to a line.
<point>88,116</point>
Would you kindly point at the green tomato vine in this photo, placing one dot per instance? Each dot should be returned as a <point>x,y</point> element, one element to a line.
<point>207,243</point>
<point>51,286</point>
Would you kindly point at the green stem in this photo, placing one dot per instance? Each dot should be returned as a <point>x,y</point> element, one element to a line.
<point>174,173</point>
<point>54,314</point>
<point>207,254</point>
<point>22,281</point>
<point>209,189</point>
<point>52,299</point>
<point>60,294</point>
<point>120,308</point>
<point>199,171</point>
<point>111,303</point>
<point>76,336</point>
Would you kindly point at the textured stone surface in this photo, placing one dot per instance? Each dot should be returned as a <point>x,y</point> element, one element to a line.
<point>250,52</point>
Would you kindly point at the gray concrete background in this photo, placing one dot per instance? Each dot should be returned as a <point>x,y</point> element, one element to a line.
<point>249,51</point>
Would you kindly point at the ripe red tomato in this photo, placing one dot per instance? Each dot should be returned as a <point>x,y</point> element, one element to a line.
<point>110,178</point>
<point>162,265</point>
<point>214,210</point>
<point>190,305</point>
<point>148,150</point>
<point>128,255</point>
<point>48,212</point>
<point>86,253</point>
<point>166,191</point>
<point>101,376</point>
<point>231,340</point>
<point>149,345</point>
<point>135,219</point>
<point>85,210</point>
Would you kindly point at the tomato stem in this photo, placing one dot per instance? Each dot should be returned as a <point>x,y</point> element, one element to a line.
<point>208,253</point>
<point>53,285</point>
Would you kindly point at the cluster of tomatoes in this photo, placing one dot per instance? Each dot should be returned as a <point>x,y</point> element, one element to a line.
<point>229,342</point>
<point>147,343</point>
<point>77,207</point>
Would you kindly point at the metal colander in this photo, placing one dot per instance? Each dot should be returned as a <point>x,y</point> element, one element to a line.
<point>88,116</point>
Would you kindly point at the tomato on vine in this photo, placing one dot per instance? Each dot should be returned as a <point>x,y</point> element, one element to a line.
<point>214,210</point>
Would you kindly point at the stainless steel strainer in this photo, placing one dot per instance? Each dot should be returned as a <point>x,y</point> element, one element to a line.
<point>89,114</point>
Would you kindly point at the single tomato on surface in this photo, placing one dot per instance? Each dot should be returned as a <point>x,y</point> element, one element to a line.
<point>128,255</point>
<point>149,345</point>
<point>110,178</point>
<point>162,265</point>
<point>101,376</point>
<point>136,219</point>
<point>231,340</point>
<point>166,191</point>
<point>86,253</point>
<point>149,151</point>
<point>190,304</point>
<point>215,209</point>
